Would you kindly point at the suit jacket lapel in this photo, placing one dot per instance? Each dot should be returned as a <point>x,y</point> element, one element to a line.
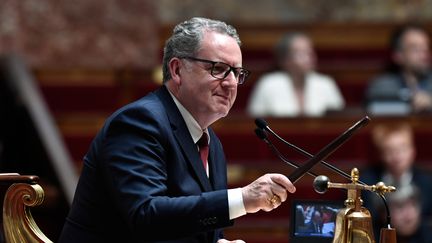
<point>184,139</point>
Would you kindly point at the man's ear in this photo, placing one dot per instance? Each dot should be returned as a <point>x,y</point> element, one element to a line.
<point>175,65</point>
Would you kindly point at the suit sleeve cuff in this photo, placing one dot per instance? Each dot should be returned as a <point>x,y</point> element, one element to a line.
<point>235,203</point>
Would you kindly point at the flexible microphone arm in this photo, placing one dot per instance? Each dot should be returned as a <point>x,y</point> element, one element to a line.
<point>262,124</point>
<point>263,136</point>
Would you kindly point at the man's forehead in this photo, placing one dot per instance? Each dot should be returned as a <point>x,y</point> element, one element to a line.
<point>220,46</point>
<point>413,36</point>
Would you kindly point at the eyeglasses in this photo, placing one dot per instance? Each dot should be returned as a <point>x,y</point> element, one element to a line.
<point>221,70</point>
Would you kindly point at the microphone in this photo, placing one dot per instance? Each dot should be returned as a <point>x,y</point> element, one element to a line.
<point>323,153</point>
<point>263,136</point>
<point>262,124</point>
<point>320,183</point>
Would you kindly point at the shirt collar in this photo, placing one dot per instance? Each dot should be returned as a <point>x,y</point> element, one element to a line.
<point>194,128</point>
<point>405,179</point>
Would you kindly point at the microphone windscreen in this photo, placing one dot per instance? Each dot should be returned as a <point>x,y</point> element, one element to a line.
<point>261,123</point>
<point>261,133</point>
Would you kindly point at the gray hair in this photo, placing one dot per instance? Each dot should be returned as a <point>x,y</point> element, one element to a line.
<point>187,36</point>
<point>404,193</point>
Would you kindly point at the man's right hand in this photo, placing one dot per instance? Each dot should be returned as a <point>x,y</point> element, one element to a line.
<point>266,193</point>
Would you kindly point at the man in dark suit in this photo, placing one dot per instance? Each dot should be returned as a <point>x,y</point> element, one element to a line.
<point>406,87</point>
<point>145,179</point>
<point>314,226</point>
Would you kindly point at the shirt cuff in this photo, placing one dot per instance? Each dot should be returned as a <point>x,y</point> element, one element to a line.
<point>235,203</point>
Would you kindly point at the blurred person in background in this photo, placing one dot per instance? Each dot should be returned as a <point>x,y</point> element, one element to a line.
<point>396,167</point>
<point>296,89</point>
<point>407,86</point>
<point>405,211</point>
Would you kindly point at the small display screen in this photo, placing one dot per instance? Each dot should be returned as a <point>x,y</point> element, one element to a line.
<point>313,220</point>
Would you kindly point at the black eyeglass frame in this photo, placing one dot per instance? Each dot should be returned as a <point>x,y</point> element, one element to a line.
<point>236,70</point>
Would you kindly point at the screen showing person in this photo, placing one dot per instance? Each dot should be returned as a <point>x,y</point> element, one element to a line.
<point>313,220</point>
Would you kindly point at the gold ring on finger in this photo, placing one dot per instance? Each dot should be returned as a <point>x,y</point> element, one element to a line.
<point>275,199</point>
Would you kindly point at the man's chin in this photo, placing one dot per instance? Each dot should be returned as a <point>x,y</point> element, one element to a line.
<point>223,112</point>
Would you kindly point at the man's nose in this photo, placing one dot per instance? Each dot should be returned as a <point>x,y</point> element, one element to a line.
<point>230,81</point>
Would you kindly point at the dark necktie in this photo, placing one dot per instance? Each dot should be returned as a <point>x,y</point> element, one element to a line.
<point>203,149</point>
